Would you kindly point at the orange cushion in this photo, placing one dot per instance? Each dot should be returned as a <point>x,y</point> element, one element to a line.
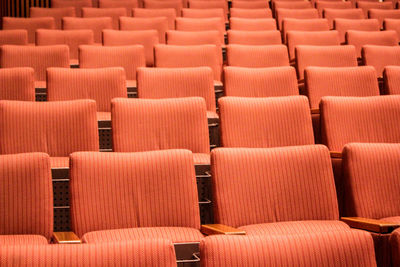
<point>14,240</point>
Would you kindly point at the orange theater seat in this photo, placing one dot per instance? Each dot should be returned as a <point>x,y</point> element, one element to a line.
<point>29,24</point>
<point>139,24</point>
<point>254,37</point>
<point>257,56</point>
<point>17,84</point>
<point>353,13</point>
<point>203,13</point>
<point>97,25</point>
<point>56,13</point>
<point>262,24</point>
<point>201,24</point>
<point>169,13</point>
<point>196,4</point>
<point>381,56</point>
<point>366,6</point>
<point>261,13</point>
<point>127,4</point>
<point>381,14</point>
<point>113,13</point>
<point>391,77</point>
<point>77,4</point>
<point>392,24</point>
<point>156,4</point>
<point>13,37</point>
<point>283,13</point>
<point>361,38</point>
<point>321,5</point>
<point>303,25</point>
<point>343,25</point>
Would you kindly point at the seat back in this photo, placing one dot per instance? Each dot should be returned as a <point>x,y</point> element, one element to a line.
<point>97,25</point>
<point>257,56</point>
<point>129,5</point>
<point>156,4</point>
<point>242,24</point>
<point>331,14</point>
<point>28,24</point>
<point>321,5</point>
<point>392,24</point>
<point>13,37</point>
<point>391,78</point>
<point>201,24</point>
<point>283,13</point>
<point>160,24</point>
<point>365,6</point>
<point>56,13</point>
<point>303,25</point>
<point>381,56</point>
<point>17,84</point>
<point>249,4</point>
<point>77,4</point>
<point>195,4</point>
<point>203,13</point>
<point>293,4</point>
<point>343,25</point>
<point>361,38</point>
<point>254,37</point>
<point>169,13</point>
<point>381,14</point>
<point>259,13</point>
<point>113,13</point>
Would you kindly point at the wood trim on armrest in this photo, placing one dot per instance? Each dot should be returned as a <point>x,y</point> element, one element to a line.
<point>220,229</point>
<point>315,111</point>
<point>66,238</point>
<point>371,225</point>
<point>336,154</point>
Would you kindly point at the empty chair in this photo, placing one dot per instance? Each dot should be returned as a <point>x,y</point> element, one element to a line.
<point>381,14</point>
<point>365,6</point>
<point>391,78</point>
<point>316,38</point>
<point>129,57</point>
<point>169,13</point>
<point>292,4</point>
<point>56,13</point>
<point>77,4</point>
<point>198,4</point>
<point>303,25</point>
<point>25,192</point>
<point>261,13</point>
<point>127,4</point>
<point>176,123</point>
<point>381,56</point>
<point>113,13</point>
<point>72,38</point>
<point>331,14</point>
<point>13,37</point>
<point>361,38</point>
<point>321,5</point>
<point>37,57</point>
<point>283,13</point>
<point>203,13</point>
<point>147,38</point>
<point>29,24</point>
<point>242,24</point>
<point>272,37</point>
<point>257,56</point>
<point>55,128</point>
<point>160,24</point>
<point>156,4</point>
<point>343,25</point>
<point>201,24</point>
<point>265,122</point>
<point>17,84</point>
<point>324,56</point>
<point>392,24</point>
<point>260,82</point>
<point>249,4</point>
<point>97,25</point>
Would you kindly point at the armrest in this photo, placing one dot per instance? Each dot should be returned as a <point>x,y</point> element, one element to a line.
<point>66,238</point>
<point>371,225</point>
<point>336,155</point>
<point>220,229</point>
<point>315,111</point>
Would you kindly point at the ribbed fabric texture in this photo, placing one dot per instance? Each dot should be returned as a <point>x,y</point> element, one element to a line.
<point>97,25</point>
<point>13,37</point>
<point>345,81</point>
<point>129,57</point>
<point>114,13</point>
<point>365,6</point>
<point>175,234</point>
<point>18,240</point>
<point>265,122</point>
<point>203,13</point>
<point>17,84</point>
<point>59,162</point>
<point>29,24</point>
<point>260,82</point>
<point>303,25</point>
<point>127,4</point>
<point>169,13</point>
<point>175,4</point>
<point>343,25</point>
<point>350,13</point>
<point>72,38</point>
<point>257,56</point>
<point>380,14</point>
<point>284,13</point>
<point>139,24</point>
<point>201,24</point>
<point>316,38</point>
<point>359,119</point>
<point>210,4</point>
<point>56,13</point>
<point>249,4</point>
<point>242,24</point>
<point>77,4</point>
<point>101,85</point>
<point>352,248</point>
<point>324,56</point>
<point>37,57</point>
<point>321,5</point>
<point>137,253</point>
<point>361,38</point>
<point>392,24</point>
<point>177,82</point>
<point>148,124</point>
<point>26,195</point>
<point>259,13</point>
<point>177,56</point>
<point>293,4</point>
<point>56,128</point>
<point>381,56</point>
<point>391,77</point>
<point>125,190</point>
<point>272,37</point>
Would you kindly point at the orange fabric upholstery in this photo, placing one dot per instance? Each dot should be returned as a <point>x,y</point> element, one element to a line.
<point>37,57</point>
<point>391,77</point>
<point>18,240</point>
<point>56,13</point>
<point>56,128</point>
<point>250,4</point>
<point>303,25</point>
<point>321,5</point>
<point>392,24</point>
<point>17,84</point>
<point>265,122</point>
<point>72,38</point>
<point>283,13</point>
<point>156,4</point>
<point>343,25</point>
<point>77,4</point>
<point>381,14</point>
<point>26,195</point>
<point>331,14</point>
<point>147,38</point>
<point>292,4</point>
<point>201,24</point>
<point>254,37</point>
<point>133,253</point>
<point>97,25</point>
<point>380,56</point>
<point>203,13</point>
<point>147,189</point>
<point>348,120</point>
<point>361,38</point>
<point>139,24</point>
<point>324,56</point>
<point>242,24</point>
<point>395,247</point>
<point>257,56</point>
<point>365,6</point>
<point>176,56</point>
<point>156,124</point>
<point>195,4</point>
<point>29,24</point>
<point>113,13</point>
<point>127,4</point>
<point>259,13</point>
<point>345,81</point>
<point>169,13</point>
<point>13,37</point>
<point>260,82</point>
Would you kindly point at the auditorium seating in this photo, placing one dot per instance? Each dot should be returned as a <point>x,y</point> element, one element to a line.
<point>353,13</point>
<point>321,5</point>
<point>113,13</point>
<point>284,13</point>
<point>272,37</point>
<point>196,4</point>
<point>28,24</point>
<point>156,4</point>
<point>261,13</point>
<point>169,13</point>
<point>257,56</point>
<point>201,24</point>
<point>139,24</point>
<point>17,84</point>
<point>243,24</point>
<point>391,80</point>
<point>293,4</point>
<point>392,24</point>
<point>203,13</point>
<point>380,56</point>
<point>97,25</point>
<point>365,6</point>
<point>361,38</point>
<point>13,37</point>
<point>381,14</point>
<point>56,13</point>
<point>343,25</point>
<point>127,4</point>
<point>77,4</point>
<point>249,4</point>
<point>303,25</point>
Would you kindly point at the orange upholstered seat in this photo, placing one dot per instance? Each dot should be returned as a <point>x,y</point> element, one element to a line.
<point>321,5</point>
<point>381,56</point>
<point>256,4</point>
<point>156,4</point>
<point>201,24</point>
<point>196,4</point>
<point>169,13</point>
<point>77,4</point>
<point>17,84</point>
<point>392,24</point>
<point>272,37</point>
<point>293,4</point>
<point>139,24</point>
<point>203,13</point>
<point>97,25</point>
<point>391,77</point>
<point>127,4</point>
<point>28,24</point>
<point>303,25</point>
<point>13,37</point>
<point>56,13</point>
<point>261,24</point>
<point>257,56</point>
<point>381,14</point>
<point>343,25</point>
<point>366,6</point>
<point>283,13</point>
<point>261,13</point>
<point>361,38</point>
<point>353,13</point>
<point>113,13</point>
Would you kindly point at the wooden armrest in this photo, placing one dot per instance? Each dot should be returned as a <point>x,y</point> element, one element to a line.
<point>66,238</point>
<point>336,154</point>
<point>220,229</point>
<point>315,111</point>
<point>371,225</point>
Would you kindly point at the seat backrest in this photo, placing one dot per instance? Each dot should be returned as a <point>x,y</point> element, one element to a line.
<point>343,25</point>
<point>156,4</point>
<point>371,119</point>
<point>156,124</point>
<point>242,24</point>
<point>257,56</point>
<point>365,6</point>
<point>113,13</point>
<point>177,82</point>
<point>381,14</point>
<point>361,38</point>
<point>344,81</point>
<point>273,185</point>
<point>56,13</point>
<point>169,13</point>
<point>303,25</point>
<point>13,37</point>
<point>160,24</point>
<point>350,13</point>
<point>259,13</point>
<point>195,4</point>
<point>293,4</point>
<point>256,4</point>
<point>324,56</point>
<point>37,57</point>
<point>201,24</point>
<point>260,82</point>
<point>28,24</point>
<point>97,25</point>
<point>254,37</point>
<point>17,84</point>
<point>282,13</point>
<point>72,38</point>
<point>26,192</point>
<point>391,24</point>
<point>381,56</point>
<point>321,5</point>
<point>129,5</point>
<point>56,128</point>
<point>203,13</point>
<point>265,122</point>
<point>129,57</point>
<point>77,4</point>
<point>391,80</point>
